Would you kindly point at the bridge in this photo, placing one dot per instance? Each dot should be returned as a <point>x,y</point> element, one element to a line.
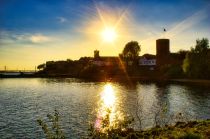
<point>17,72</point>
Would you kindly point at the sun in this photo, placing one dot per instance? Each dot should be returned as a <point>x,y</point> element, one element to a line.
<point>109,34</point>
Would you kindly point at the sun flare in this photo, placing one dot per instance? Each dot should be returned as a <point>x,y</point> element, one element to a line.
<point>109,34</point>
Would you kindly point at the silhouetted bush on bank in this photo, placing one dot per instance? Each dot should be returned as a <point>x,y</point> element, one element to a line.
<point>173,71</point>
<point>51,128</point>
<point>181,130</point>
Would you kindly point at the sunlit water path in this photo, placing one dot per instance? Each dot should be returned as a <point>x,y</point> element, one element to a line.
<point>23,101</point>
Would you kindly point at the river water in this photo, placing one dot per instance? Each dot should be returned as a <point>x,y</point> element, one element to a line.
<point>80,103</point>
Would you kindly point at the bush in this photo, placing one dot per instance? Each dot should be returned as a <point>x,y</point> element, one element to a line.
<point>190,136</point>
<point>197,63</point>
<point>52,131</point>
<point>175,71</point>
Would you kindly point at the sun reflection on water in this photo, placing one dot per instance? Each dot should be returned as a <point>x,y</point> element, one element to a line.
<point>107,115</point>
<point>108,96</point>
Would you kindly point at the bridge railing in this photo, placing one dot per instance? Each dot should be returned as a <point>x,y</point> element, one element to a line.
<point>16,71</point>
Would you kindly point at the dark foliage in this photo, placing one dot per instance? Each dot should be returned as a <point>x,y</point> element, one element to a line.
<point>131,50</point>
<point>197,61</point>
<point>52,129</point>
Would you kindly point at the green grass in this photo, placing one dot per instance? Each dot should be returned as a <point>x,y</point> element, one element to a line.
<point>181,130</point>
<point>189,130</point>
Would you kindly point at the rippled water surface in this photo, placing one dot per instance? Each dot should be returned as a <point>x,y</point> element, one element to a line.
<point>23,101</point>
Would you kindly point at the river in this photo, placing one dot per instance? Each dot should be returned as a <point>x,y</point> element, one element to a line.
<point>81,103</point>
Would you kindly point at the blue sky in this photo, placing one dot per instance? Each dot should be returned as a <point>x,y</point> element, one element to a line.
<point>34,31</point>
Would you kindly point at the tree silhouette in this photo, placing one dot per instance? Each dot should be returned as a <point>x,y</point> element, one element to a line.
<point>131,50</point>
<point>197,63</point>
<point>41,66</point>
<point>202,45</point>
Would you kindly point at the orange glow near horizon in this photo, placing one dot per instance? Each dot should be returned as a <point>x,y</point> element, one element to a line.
<point>103,27</point>
<point>105,32</point>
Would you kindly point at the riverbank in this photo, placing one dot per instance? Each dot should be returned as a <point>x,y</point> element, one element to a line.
<point>156,79</point>
<point>199,82</point>
<point>192,129</point>
<point>118,78</point>
<point>181,130</point>
<point>191,82</point>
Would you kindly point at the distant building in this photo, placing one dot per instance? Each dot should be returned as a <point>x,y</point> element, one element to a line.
<point>104,60</point>
<point>162,47</point>
<point>147,62</point>
<point>96,54</point>
<point>163,55</point>
<point>163,51</point>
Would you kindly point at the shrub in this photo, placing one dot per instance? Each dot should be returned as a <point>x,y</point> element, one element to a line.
<point>190,136</point>
<point>53,131</point>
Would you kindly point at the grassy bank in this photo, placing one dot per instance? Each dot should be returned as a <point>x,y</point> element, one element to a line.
<point>193,130</point>
<point>181,130</point>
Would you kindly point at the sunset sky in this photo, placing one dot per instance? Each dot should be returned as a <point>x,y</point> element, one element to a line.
<point>35,31</point>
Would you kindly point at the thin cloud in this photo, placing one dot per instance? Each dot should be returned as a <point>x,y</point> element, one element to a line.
<point>62,19</point>
<point>188,23</point>
<point>7,37</point>
<point>39,38</point>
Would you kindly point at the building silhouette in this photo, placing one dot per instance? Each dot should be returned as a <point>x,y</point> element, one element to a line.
<point>96,54</point>
<point>162,51</point>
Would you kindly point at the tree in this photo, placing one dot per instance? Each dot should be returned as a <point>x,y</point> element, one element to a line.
<point>41,66</point>
<point>131,50</point>
<point>197,63</point>
<point>202,45</point>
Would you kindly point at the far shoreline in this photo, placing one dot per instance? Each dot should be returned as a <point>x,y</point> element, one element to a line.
<point>188,81</point>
